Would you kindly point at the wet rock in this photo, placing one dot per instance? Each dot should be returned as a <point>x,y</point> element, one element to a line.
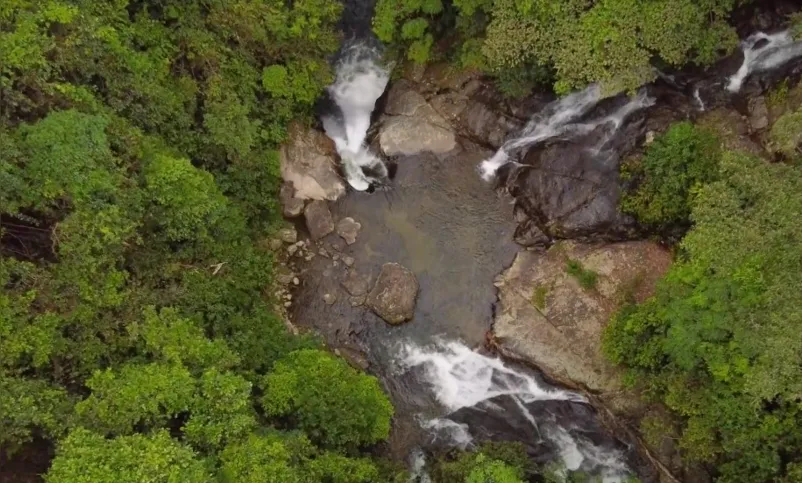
<point>355,283</point>
<point>288,235</point>
<point>758,113</point>
<point>545,317</point>
<point>291,206</point>
<point>394,295</point>
<point>348,229</point>
<point>412,125</point>
<point>329,298</point>
<point>318,219</point>
<point>528,234</point>
<point>308,162</point>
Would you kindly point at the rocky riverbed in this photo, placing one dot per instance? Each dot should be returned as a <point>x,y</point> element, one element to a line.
<point>434,255</point>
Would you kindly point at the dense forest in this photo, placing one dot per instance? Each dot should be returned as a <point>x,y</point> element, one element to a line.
<point>139,175</point>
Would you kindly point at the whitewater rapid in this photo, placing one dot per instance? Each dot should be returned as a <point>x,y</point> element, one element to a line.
<point>561,119</point>
<point>359,83</point>
<point>459,377</point>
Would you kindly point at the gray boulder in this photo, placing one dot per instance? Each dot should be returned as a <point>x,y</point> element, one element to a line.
<point>412,126</point>
<point>394,295</point>
<point>308,161</point>
<point>318,219</point>
<point>348,229</point>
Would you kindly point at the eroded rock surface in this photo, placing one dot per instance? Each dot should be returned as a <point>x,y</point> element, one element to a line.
<point>308,162</point>
<point>412,126</point>
<point>318,219</point>
<point>393,297</point>
<point>546,317</point>
<point>348,229</point>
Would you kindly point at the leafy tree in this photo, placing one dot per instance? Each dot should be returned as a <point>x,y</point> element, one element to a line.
<point>716,343</point>
<point>86,457</point>
<point>609,41</point>
<point>187,201</point>
<point>290,457</point>
<point>786,134</point>
<point>139,165</point>
<point>138,395</point>
<point>29,407</point>
<point>491,462</point>
<point>675,166</point>
<point>328,399</point>
<point>221,410</point>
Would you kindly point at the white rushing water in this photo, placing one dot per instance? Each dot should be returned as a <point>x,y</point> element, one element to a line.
<point>559,120</point>
<point>462,378</point>
<point>359,83</point>
<point>763,52</point>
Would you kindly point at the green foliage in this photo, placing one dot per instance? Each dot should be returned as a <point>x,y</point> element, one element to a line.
<point>673,169</point>
<point>786,134</point>
<point>491,462</point>
<point>86,457</point>
<point>717,342</point>
<point>539,295</point>
<point>277,458</point>
<point>407,21</point>
<point>610,41</point>
<point>139,169</point>
<point>587,278</point>
<point>139,395</point>
<point>328,399</point>
<point>30,407</point>
<point>187,201</point>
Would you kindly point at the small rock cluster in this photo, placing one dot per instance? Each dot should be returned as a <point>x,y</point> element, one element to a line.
<point>394,293</point>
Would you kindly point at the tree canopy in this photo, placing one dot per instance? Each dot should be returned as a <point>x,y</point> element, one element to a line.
<point>581,41</point>
<point>719,343</point>
<point>139,173</point>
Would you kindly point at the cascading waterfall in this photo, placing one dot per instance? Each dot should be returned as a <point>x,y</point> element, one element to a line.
<point>559,120</point>
<point>763,52</point>
<point>359,83</point>
<point>461,378</point>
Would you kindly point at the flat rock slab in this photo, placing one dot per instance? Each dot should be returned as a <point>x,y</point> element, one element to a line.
<point>318,219</point>
<point>546,317</point>
<point>394,295</point>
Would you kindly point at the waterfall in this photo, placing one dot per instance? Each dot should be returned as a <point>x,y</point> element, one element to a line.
<point>359,83</point>
<point>762,52</point>
<point>461,378</point>
<point>559,120</point>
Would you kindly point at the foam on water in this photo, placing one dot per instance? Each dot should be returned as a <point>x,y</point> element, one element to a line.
<point>559,120</point>
<point>359,83</point>
<point>763,52</point>
<point>462,378</point>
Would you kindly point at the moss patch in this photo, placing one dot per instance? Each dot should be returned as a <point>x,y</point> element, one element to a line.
<point>587,278</point>
<point>539,295</point>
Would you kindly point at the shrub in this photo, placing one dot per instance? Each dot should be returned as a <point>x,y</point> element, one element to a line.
<point>676,165</point>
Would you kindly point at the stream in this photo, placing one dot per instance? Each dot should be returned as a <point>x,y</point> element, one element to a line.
<point>451,219</point>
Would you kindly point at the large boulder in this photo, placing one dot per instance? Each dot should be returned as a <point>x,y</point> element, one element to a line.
<point>308,162</point>
<point>412,126</point>
<point>550,318</point>
<point>318,219</point>
<point>393,297</point>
